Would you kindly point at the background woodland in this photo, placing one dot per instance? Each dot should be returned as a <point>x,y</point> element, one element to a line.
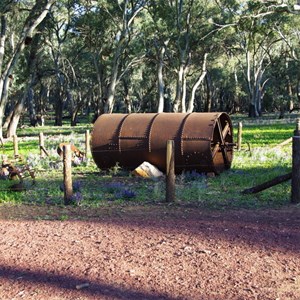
<point>62,59</point>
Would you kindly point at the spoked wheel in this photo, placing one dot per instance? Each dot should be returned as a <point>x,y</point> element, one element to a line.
<point>222,145</point>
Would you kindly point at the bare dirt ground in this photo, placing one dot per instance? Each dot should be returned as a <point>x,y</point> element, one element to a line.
<point>149,252</point>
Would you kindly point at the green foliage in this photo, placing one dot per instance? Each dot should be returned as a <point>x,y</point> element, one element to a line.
<point>80,40</point>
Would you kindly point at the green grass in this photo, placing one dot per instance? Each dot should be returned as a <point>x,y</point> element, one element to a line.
<point>53,130</point>
<point>267,135</point>
<point>257,162</point>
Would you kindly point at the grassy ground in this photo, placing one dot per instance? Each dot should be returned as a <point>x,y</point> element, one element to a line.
<point>258,161</point>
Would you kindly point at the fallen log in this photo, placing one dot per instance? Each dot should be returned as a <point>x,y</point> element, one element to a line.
<point>289,140</point>
<point>268,184</point>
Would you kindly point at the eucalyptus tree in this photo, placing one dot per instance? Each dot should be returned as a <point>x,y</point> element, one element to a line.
<point>29,78</point>
<point>255,43</point>
<point>93,33</point>
<point>58,42</point>
<point>185,34</point>
<point>123,16</point>
<point>111,29</point>
<point>14,39</point>
<point>180,17</point>
<point>288,58</point>
<point>157,28</point>
<point>144,92</point>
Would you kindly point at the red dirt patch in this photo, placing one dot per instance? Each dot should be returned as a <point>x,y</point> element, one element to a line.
<point>145,252</point>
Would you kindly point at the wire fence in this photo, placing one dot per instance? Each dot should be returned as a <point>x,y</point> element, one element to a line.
<point>90,188</point>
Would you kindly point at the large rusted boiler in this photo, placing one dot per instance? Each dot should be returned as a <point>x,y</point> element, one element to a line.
<point>203,141</point>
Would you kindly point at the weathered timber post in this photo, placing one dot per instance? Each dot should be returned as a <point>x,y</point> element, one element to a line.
<point>170,172</point>
<point>42,144</point>
<point>297,130</point>
<point>16,147</point>
<point>295,198</point>
<point>68,186</point>
<point>87,143</point>
<point>239,138</point>
<point>43,150</point>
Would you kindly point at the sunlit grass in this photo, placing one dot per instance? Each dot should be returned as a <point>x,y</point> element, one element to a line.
<point>266,135</point>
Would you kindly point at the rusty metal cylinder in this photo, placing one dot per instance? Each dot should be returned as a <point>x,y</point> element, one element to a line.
<point>203,141</point>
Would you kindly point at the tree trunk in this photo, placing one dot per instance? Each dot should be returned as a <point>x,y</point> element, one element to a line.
<point>183,95</point>
<point>179,86</point>
<point>4,85</point>
<point>196,85</point>
<point>160,81</point>
<point>74,115</point>
<point>13,124</point>
<point>1,118</point>
<point>100,96</point>
<point>256,86</point>
<point>8,118</point>
<point>58,114</point>
<point>59,105</point>
<point>236,96</point>
<point>17,112</point>
<point>122,38</point>
<point>28,93</point>
<point>109,105</point>
<point>252,111</point>
<point>208,94</point>
<point>126,97</point>
<point>252,101</point>
<point>59,96</point>
<point>289,88</point>
<point>35,17</point>
<point>128,104</point>
<point>43,98</point>
<point>2,40</point>
<point>72,108</point>
<point>31,107</point>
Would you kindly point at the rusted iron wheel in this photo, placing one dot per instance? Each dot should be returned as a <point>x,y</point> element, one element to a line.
<point>223,143</point>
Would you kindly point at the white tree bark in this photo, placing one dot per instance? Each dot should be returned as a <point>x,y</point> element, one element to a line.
<point>2,41</point>
<point>36,16</point>
<point>161,84</point>
<point>122,37</point>
<point>197,84</point>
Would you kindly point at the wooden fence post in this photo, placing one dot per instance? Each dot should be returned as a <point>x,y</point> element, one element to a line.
<point>295,198</point>
<point>42,144</point>
<point>16,147</point>
<point>43,150</point>
<point>170,172</point>
<point>239,138</point>
<point>87,143</point>
<point>68,185</point>
<point>297,130</point>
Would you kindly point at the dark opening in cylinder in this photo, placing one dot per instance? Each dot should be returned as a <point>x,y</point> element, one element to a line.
<point>203,141</point>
